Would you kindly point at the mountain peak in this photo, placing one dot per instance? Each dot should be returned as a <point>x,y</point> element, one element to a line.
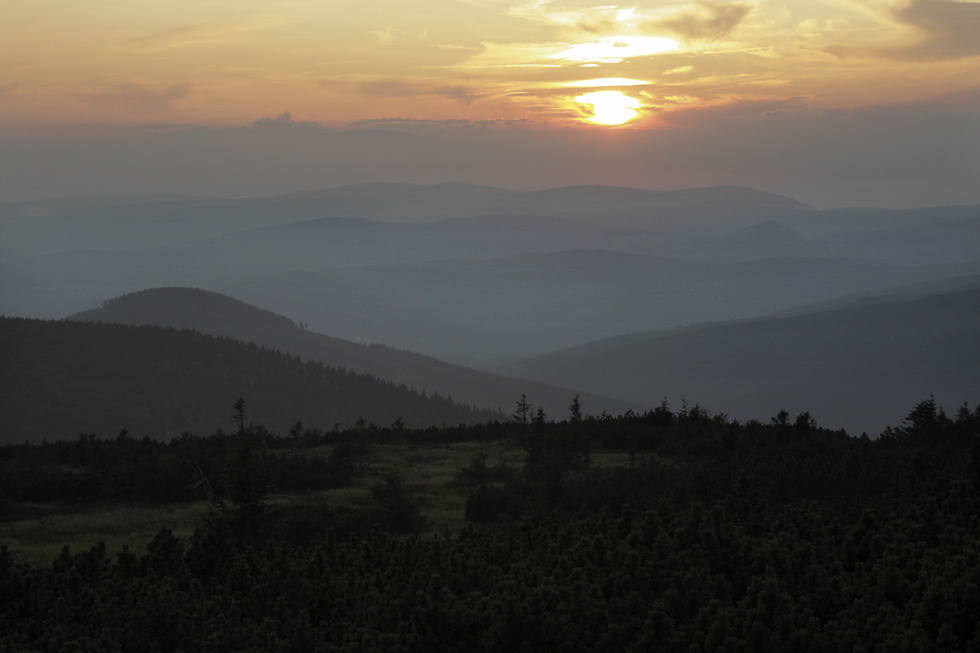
<point>182,308</point>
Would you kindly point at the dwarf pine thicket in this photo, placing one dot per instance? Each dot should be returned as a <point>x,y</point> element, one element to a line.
<point>715,535</point>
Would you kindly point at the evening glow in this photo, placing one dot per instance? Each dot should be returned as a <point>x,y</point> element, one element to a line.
<point>230,63</point>
<point>108,80</point>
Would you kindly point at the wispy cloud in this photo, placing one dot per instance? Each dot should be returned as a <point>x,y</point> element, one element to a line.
<point>705,21</point>
<point>150,127</point>
<point>430,123</point>
<point>137,98</point>
<point>403,87</point>
<point>606,81</point>
<point>952,29</point>
<point>189,35</point>
<point>614,50</point>
<point>592,20</point>
<point>933,30</point>
<point>710,21</point>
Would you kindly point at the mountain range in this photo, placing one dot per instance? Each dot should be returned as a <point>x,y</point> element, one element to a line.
<point>469,290</point>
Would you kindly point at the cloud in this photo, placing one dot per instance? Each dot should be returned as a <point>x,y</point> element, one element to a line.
<point>592,20</point>
<point>138,98</point>
<point>178,37</point>
<point>952,29</point>
<point>8,88</point>
<point>946,30</point>
<point>284,122</point>
<point>403,122</point>
<point>412,123</point>
<point>401,87</point>
<point>711,21</point>
<point>615,50</point>
<point>135,127</point>
<point>388,36</point>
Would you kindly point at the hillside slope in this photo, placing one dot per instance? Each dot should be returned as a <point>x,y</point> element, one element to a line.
<point>478,312</point>
<point>220,315</point>
<point>853,367</point>
<point>61,378</point>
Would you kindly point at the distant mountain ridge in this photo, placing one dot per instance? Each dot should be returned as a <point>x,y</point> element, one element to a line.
<point>596,193</point>
<point>402,202</point>
<point>701,195</point>
<point>477,275</point>
<point>216,314</point>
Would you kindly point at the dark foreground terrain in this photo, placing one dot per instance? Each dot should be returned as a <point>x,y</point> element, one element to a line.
<point>671,530</point>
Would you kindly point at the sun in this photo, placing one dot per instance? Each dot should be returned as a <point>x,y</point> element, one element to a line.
<point>610,107</point>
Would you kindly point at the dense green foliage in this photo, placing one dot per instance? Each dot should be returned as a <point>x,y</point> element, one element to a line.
<point>61,378</point>
<point>716,536</point>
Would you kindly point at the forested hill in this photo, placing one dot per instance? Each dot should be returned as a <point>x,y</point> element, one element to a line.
<point>61,378</point>
<point>219,315</point>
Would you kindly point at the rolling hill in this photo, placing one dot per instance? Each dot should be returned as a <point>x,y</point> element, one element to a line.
<point>854,367</point>
<point>62,378</point>
<point>480,312</point>
<point>215,314</point>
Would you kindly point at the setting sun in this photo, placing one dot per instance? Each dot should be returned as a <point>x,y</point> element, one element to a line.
<point>610,107</point>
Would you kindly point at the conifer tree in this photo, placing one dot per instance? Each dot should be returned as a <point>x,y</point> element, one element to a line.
<point>575,409</point>
<point>523,410</point>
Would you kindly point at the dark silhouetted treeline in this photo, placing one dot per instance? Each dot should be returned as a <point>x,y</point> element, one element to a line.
<point>187,468</point>
<point>687,455</point>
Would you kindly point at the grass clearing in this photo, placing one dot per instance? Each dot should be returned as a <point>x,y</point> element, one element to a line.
<point>428,471</point>
<point>39,537</point>
<point>40,532</point>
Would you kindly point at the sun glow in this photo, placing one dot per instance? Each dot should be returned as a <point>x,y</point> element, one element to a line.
<point>610,107</point>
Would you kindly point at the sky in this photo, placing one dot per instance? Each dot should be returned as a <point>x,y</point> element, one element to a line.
<point>833,102</point>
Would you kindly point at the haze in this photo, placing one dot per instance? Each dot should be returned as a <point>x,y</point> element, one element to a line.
<point>533,190</point>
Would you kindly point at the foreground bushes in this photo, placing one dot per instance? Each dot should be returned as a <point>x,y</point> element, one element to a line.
<point>904,575</point>
<point>746,538</point>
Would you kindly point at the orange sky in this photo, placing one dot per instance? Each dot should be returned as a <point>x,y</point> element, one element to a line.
<point>677,65</point>
<point>233,61</point>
